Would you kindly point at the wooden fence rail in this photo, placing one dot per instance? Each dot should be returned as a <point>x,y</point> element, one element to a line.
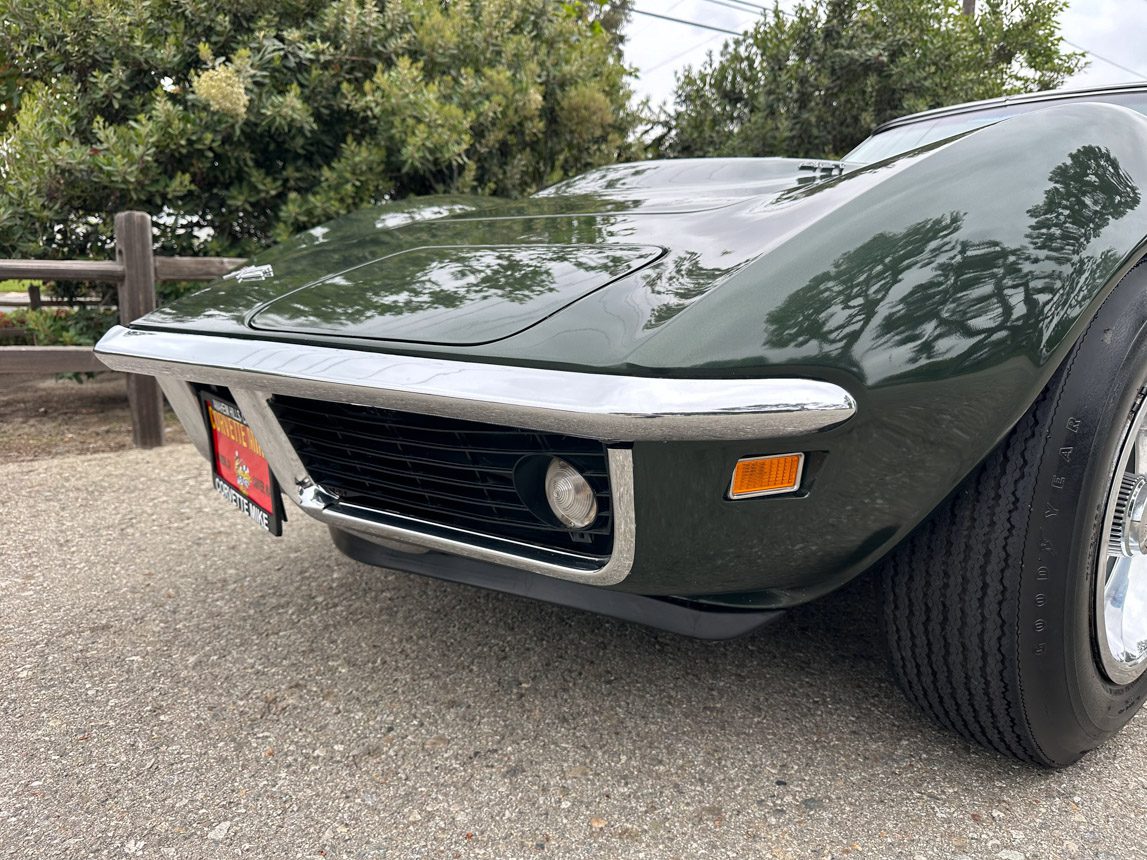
<point>135,270</point>
<point>49,359</point>
<point>166,269</point>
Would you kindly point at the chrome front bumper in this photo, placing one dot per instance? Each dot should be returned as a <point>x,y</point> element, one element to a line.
<point>617,409</point>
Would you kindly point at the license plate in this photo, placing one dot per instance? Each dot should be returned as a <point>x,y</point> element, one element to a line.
<point>239,469</point>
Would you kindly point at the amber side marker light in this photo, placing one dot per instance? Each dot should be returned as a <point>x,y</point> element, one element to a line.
<point>766,476</point>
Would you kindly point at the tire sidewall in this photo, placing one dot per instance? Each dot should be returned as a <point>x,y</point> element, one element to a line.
<point>1070,705</point>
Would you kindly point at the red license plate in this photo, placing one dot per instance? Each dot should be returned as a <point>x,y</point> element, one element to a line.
<point>239,469</point>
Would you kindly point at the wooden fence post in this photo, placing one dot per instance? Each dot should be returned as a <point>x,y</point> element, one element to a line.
<point>133,243</point>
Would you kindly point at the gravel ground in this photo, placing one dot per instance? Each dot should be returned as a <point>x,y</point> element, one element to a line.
<point>175,684</point>
<point>46,416</point>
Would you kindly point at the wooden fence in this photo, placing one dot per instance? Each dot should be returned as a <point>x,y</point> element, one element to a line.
<point>135,272</point>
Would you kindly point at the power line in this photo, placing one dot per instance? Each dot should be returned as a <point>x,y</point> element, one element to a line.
<point>672,6</point>
<point>758,8</point>
<point>687,23</point>
<point>729,5</point>
<point>679,55</point>
<point>1108,60</point>
<point>743,3</point>
<point>752,6</point>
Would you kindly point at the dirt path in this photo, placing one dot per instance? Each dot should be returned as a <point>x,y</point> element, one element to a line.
<point>52,417</point>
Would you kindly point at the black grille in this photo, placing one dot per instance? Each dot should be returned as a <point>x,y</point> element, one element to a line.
<point>444,470</point>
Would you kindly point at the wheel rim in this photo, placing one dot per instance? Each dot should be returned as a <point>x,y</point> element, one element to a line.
<point>1121,581</point>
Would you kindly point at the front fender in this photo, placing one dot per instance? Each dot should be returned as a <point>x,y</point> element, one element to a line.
<point>942,288</point>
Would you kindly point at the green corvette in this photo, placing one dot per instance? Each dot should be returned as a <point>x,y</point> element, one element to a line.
<point>695,393</point>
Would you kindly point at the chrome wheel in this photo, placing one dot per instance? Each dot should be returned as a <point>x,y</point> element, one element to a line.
<point>1121,581</point>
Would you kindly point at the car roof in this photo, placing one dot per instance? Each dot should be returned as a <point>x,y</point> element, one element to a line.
<point>1003,101</point>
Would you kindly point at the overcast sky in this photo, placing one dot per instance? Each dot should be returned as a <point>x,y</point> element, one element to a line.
<point>1113,29</point>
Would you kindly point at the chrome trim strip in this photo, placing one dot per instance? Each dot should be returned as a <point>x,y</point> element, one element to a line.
<point>185,404</point>
<point>313,500</point>
<point>288,469</point>
<point>356,516</point>
<point>595,405</point>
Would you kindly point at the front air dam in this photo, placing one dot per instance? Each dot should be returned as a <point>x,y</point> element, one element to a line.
<point>672,614</point>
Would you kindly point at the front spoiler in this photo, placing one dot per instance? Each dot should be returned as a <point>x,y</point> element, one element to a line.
<point>684,617</point>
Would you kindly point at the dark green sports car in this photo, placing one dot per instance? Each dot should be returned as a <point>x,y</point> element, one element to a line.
<point>694,393</point>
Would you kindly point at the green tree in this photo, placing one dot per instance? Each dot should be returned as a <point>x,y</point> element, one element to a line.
<point>814,82</point>
<point>239,122</point>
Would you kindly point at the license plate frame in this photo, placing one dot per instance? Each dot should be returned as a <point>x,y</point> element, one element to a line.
<point>239,469</point>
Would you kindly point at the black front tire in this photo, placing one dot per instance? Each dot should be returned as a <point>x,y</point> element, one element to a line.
<point>990,604</point>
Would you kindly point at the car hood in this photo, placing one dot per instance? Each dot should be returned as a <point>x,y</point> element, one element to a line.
<point>453,271</point>
<point>472,272</point>
<point>945,258</point>
<point>451,294</point>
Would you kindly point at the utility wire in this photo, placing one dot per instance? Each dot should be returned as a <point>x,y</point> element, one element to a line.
<point>687,23</point>
<point>743,6</point>
<point>754,6</point>
<point>1107,60</point>
<point>679,55</point>
<point>729,5</point>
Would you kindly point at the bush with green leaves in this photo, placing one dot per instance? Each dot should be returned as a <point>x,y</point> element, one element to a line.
<point>55,326</point>
<point>814,82</point>
<point>236,123</point>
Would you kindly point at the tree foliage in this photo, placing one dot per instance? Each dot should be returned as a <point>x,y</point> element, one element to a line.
<point>816,81</point>
<point>240,122</point>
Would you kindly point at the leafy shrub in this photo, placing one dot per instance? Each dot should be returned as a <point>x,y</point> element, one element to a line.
<point>237,122</point>
<point>55,326</point>
<point>814,81</point>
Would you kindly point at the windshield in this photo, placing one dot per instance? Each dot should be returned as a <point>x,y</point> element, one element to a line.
<point>894,141</point>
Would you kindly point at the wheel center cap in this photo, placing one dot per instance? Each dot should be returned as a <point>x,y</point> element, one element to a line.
<point>1129,528</point>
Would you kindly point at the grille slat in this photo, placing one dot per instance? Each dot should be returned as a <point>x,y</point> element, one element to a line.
<point>492,471</point>
<point>387,472</point>
<point>472,520</point>
<point>429,424</point>
<point>399,457</point>
<point>456,445</point>
<point>349,478</point>
<point>442,470</point>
